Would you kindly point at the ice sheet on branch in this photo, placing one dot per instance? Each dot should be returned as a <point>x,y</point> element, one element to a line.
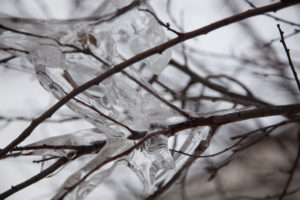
<point>124,97</point>
<point>70,54</point>
<point>198,139</point>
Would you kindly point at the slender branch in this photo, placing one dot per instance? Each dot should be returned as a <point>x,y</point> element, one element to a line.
<point>249,93</point>
<point>198,151</point>
<point>108,160</point>
<point>166,25</point>
<point>57,147</point>
<point>292,171</point>
<point>60,162</point>
<point>141,56</point>
<point>20,118</point>
<point>245,100</point>
<point>218,120</point>
<point>291,192</point>
<point>241,138</point>
<point>4,60</point>
<point>82,150</point>
<point>274,17</point>
<point>214,121</point>
<point>287,51</point>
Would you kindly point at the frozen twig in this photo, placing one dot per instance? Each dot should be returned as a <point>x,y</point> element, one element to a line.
<point>81,150</point>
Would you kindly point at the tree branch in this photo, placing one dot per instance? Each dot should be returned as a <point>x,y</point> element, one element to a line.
<point>141,56</point>
<point>292,171</point>
<point>287,51</point>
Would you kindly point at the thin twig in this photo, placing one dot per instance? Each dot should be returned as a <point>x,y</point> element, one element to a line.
<point>292,171</point>
<point>287,51</point>
<point>166,25</point>
<point>274,17</point>
<point>60,162</point>
<point>241,139</point>
<point>245,100</point>
<point>28,119</point>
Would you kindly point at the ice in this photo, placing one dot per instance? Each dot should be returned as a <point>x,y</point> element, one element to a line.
<point>198,136</point>
<point>122,97</point>
<point>83,137</point>
<point>71,54</point>
<point>114,146</point>
<point>48,55</point>
<point>154,155</point>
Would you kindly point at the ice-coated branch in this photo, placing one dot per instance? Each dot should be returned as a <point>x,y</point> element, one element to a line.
<point>242,137</point>
<point>163,188</point>
<point>158,49</point>
<point>80,150</point>
<point>60,162</point>
<point>214,121</point>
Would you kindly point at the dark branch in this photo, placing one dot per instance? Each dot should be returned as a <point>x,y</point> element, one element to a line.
<point>141,56</point>
<point>287,51</point>
<point>292,171</point>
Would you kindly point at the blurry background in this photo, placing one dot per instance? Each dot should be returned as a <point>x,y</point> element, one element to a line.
<point>248,51</point>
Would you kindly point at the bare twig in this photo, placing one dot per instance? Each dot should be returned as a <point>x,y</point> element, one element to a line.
<point>245,100</point>
<point>274,17</point>
<point>166,25</point>
<point>28,119</point>
<point>287,51</point>
<point>60,162</point>
<point>292,171</point>
<point>266,130</point>
<point>268,197</point>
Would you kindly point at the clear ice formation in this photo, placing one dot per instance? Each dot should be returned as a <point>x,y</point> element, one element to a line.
<point>70,54</point>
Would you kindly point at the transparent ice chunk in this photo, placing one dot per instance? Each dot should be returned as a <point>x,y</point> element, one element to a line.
<point>124,97</point>
<point>154,155</point>
<point>83,137</point>
<point>199,136</point>
<point>114,146</point>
